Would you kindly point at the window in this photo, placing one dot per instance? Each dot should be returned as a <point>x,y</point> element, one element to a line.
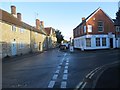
<point>13,28</point>
<point>100,26</point>
<point>103,41</point>
<point>97,41</point>
<point>89,28</point>
<point>35,45</point>
<point>117,29</point>
<point>21,45</point>
<point>22,30</point>
<point>36,33</point>
<point>84,29</point>
<point>88,42</point>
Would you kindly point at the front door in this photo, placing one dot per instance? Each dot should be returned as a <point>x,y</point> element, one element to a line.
<point>111,42</point>
<point>14,48</point>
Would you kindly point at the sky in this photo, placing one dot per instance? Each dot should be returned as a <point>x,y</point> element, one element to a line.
<point>64,16</point>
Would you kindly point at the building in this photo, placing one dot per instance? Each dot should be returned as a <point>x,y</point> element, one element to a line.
<point>97,31</point>
<point>18,37</point>
<point>117,26</point>
<point>51,37</point>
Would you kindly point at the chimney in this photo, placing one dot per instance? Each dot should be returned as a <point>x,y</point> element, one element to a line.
<point>13,10</point>
<point>83,18</point>
<point>37,23</point>
<point>42,23</point>
<point>19,16</point>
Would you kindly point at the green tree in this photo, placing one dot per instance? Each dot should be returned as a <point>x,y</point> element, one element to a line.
<point>59,36</point>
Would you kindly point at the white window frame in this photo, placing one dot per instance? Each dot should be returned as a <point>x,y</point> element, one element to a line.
<point>97,44</point>
<point>13,28</point>
<point>103,43</point>
<point>89,28</point>
<point>22,30</point>
<point>84,29</point>
<point>101,26</point>
<point>21,45</point>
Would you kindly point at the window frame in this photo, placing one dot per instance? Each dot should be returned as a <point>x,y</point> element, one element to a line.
<point>104,43</point>
<point>89,27</point>
<point>101,26</point>
<point>97,44</point>
<point>88,42</point>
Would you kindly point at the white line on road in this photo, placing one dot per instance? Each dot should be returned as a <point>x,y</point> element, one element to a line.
<point>78,86</point>
<point>66,67</point>
<point>57,71</point>
<point>51,84</point>
<point>83,85</point>
<point>67,63</point>
<point>66,71</point>
<point>59,67</point>
<point>55,76</point>
<point>61,63</point>
<point>65,76</point>
<point>63,84</point>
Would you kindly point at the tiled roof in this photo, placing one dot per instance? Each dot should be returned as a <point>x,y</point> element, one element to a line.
<point>10,19</point>
<point>49,30</point>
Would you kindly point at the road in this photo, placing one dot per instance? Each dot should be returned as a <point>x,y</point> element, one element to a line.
<point>54,68</point>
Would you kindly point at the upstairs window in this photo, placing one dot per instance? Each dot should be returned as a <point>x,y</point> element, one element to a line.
<point>84,29</point>
<point>13,28</point>
<point>22,30</point>
<point>117,28</point>
<point>89,28</point>
<point>100,26</point>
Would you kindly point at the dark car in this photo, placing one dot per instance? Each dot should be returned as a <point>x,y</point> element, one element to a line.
<point>62,47</point>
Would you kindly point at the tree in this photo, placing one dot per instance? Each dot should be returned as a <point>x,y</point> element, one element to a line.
<point>59,36</point>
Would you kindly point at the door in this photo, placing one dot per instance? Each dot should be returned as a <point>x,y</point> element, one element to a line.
<point>14,48</point>
<point>111,42</point>
<point>39,46</point>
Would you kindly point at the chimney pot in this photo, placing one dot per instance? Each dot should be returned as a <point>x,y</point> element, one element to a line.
<point>37,23</point>
<point>13,10</point>
<point>83,18</point>
<point>42,23</point>
<point>19,16</point>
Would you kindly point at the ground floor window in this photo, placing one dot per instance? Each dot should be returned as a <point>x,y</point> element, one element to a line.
<point>88,42</point>
<point>97,41</point>
<point>103,41</point>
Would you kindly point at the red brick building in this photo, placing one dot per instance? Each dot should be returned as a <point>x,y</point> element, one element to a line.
<point>97,31</point>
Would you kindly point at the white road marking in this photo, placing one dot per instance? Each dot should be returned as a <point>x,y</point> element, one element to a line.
<point>65,76</point>
<point>79,85</point>
<point>83,85</point>
<point>59,67</point>
<point>66,71</point>
<point>51,84</point>
<point>63,84</point>
<point>67,63</point>
<point>57,71</point>
<point>55,76</point>
<point>61,63</point>
<point>66,67</point>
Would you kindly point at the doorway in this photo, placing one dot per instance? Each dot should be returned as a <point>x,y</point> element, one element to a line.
<point>14,48</point>
<point>111,42</point>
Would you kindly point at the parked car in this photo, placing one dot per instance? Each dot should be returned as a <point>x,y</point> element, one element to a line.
<point>62,47</point>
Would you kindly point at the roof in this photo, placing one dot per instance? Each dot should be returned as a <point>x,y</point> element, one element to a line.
<point>91,16</point>
<point>10,19</point>
<point>48,30</point>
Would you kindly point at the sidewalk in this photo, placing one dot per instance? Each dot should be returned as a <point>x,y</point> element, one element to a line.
<point>18,57</point>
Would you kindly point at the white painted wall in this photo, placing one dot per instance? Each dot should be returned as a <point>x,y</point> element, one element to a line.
<point>80,42</point>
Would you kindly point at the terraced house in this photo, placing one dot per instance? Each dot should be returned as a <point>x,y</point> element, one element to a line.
<point>97,31</point>
<point>18,37</point>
